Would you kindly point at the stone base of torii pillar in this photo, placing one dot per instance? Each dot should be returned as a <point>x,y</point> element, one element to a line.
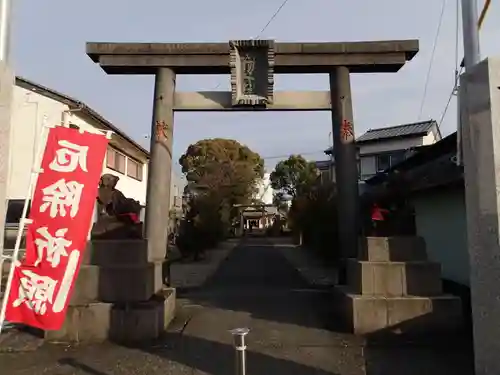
<point>119,296</point>
<point>120,293</point>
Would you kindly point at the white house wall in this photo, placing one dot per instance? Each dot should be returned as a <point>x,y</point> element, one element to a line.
<point>391,145</point>
<point>430,138</point>
<point>29,112</point>
<point>441,220</point>
<point>368,151</point>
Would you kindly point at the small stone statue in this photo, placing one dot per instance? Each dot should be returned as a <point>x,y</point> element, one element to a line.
<point>117,215</point>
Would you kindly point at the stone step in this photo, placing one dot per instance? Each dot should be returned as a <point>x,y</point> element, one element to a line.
<point>409,315</point>
<point>393,279</point>
<point>392,249</point>
<point>117,283</point>
<point>116,252</point>
<point>97,322</point>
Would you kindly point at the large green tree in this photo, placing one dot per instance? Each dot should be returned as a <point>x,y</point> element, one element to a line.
<point>293,176</point>
<point>223,166</point>
<point>220,174</point>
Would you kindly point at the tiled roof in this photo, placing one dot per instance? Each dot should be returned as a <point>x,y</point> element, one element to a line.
<point>414,129</point>
<point>323,164</point>
<point>431,165</point>
<point>400,131</point>
<point>75,103</point>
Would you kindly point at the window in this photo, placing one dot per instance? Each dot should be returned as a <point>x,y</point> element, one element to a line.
<point>134,169</point>
<point>397,157</point>
<point>383,162</point>
<point>388,160</point>
<point>74,126</point>
<point>15,210</point>
<point>115,160</point>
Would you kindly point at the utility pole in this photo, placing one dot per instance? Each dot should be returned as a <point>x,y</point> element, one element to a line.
<point>470,31</point>
<point>5,24</point>
<point>7,81</point>
<point>471,24</point>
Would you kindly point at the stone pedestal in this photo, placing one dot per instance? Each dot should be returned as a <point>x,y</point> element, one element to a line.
<point>119,295</point>
<point>393,288</point>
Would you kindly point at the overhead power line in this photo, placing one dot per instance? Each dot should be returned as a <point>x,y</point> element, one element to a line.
<point>448,102</point>
<point>272,18</point>
<point>459,68</point>
<point>431,61</point>
<point>293,153</point>
<point>269,22</point>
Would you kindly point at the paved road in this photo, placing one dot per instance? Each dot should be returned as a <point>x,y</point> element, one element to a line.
<point>292,332</point>
<point>289,322</point>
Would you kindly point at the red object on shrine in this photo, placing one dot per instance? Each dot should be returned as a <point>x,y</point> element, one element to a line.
<point>134,218</point>
<point>378,213</point>
<point>61,214</point>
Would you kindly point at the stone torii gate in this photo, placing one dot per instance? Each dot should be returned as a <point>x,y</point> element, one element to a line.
<point>251,65</point>
<point>243,207</point>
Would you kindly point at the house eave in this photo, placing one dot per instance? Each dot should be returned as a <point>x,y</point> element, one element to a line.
<point>83,108</point>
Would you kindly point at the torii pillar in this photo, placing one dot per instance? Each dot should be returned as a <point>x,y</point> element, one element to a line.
<point>160,164</point>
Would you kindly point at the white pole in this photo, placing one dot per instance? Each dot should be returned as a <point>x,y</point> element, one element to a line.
<point>14,260</point>
<point>4,57</point>
<point>5,21</point>
<point>39,137</point>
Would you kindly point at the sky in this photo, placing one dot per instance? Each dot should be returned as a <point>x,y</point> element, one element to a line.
<point>48,47</point>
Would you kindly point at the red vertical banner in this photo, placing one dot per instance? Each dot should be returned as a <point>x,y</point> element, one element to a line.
<point>61,213</point>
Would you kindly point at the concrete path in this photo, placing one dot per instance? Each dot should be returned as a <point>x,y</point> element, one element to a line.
<point>291,332</point>
<point>289,321</point>
<point>191,274</point>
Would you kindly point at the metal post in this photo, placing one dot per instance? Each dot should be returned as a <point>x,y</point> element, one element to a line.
<point>330,138</point>
<point>5,21</point>
<point>242,228</point>
<point>460,151</point>
<point>470,28</point>
<point>240,346</point>
<point>472,55</point>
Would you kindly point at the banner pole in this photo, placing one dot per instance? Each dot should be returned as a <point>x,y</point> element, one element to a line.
<point>22,222</point>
